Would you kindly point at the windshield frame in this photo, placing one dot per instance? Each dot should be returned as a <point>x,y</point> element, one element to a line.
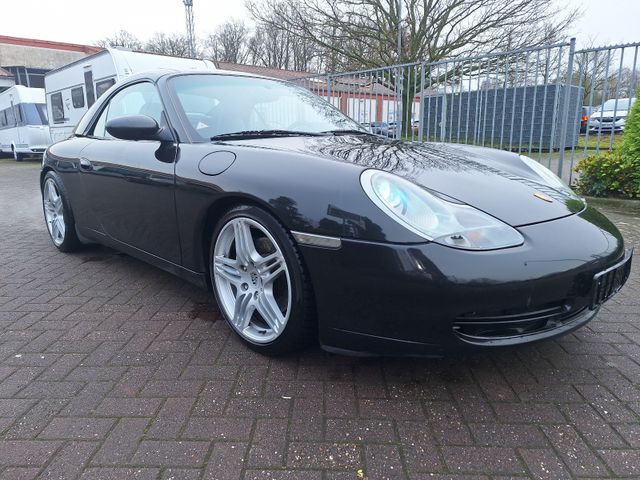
<point>193,135</point>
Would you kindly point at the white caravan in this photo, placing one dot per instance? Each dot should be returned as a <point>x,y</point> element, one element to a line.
<point>72,89</point>
<point>23,122</point>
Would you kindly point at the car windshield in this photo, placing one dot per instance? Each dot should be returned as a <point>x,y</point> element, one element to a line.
<point>623,104</point>
<point>217,105</point>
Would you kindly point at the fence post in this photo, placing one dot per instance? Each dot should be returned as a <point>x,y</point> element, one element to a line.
<point>566,105</point>
<point>421,118</point>
<point>399,85</point>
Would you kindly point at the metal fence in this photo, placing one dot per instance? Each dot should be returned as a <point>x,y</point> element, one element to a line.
<point>554,103</point>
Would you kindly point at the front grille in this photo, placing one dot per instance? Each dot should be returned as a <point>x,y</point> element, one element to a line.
<point>481,328</point>
<point>608,282</point>
<point>610,119</point>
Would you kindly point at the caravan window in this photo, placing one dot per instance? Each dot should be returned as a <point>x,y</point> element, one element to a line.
<point>3,119</point>
<point>11,119</point>
<point>138,99</point>
<point>57,108</point>
<point>103,86</point>
<point>77,97</point>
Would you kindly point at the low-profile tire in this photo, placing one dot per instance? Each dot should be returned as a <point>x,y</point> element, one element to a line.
<point>57,214</point>
<point>260,283</point>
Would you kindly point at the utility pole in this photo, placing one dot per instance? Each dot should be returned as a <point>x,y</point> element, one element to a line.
<point>188,8</point>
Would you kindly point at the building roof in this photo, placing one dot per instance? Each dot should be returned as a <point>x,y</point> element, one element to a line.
<point>264,71</point>
<point>32,42</point>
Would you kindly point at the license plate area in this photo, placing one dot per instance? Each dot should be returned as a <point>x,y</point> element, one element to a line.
<point>608,282</point>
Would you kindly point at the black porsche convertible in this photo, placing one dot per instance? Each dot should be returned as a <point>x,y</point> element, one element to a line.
<point>309,228</point>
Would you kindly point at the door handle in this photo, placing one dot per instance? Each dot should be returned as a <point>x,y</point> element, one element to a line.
<point>85,164</point>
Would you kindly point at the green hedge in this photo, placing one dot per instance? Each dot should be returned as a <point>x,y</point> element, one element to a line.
<point>615,173</point>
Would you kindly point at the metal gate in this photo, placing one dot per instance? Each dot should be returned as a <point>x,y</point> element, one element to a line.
<point>553,103</point>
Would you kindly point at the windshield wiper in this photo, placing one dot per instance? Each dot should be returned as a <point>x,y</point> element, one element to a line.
<point>348,132</point>
<point>248,134</point>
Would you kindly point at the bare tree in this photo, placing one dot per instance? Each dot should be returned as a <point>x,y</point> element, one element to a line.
<point>363,33</point>
<point>174,45</point>
<point>273,47</point>
<point>229,42</point>
<point>121,38</point>
<point>357,34</point>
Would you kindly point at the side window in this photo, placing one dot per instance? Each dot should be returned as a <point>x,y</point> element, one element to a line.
<point>137,99</point>
<point>3,119</point>
<point>77,97</point>
<point>103,86</point>
<point>57,108</point>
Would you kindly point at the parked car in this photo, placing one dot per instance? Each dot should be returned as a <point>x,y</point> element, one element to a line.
<point>585,113</point>
<point>611,115</point>
<point>309,228</point>
<point>386,129</point>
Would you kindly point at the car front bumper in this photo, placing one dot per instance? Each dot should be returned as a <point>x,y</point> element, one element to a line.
<point>428,299</point>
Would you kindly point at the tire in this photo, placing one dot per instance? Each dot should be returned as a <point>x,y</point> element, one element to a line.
<point>55,204</point>
<point>18,157</point>
<point>251,282</point>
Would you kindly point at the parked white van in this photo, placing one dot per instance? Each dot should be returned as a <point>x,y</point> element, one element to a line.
<point>23,122</point>
<point>72,89</point>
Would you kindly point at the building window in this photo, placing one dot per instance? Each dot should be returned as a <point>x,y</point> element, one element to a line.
<point>77,97</point>
<point>57,108</point>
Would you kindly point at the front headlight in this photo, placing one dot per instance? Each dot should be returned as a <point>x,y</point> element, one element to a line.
<point>550,178</point>
<point>434,218</point>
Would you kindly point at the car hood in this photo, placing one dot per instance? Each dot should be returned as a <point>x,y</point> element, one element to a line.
<point>493,181</point>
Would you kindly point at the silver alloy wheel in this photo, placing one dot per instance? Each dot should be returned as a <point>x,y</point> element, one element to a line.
<point>54,211</point>
<point>252,280</point>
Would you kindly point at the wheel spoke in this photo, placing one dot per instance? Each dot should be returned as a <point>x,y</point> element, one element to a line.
<point>60,226</point>
<point>227,268</point>
<point>269,311</point>
<point>243,310</point>
<point>272,270</point>
<point>49,207</point>
<point>245,249</point>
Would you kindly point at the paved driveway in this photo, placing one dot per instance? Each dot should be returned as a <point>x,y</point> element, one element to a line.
<point>110,368</point>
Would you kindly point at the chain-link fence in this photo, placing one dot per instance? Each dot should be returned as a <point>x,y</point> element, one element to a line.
<point>552,103</point>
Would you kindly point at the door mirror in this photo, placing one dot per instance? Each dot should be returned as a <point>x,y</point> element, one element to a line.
<point>138,127</point>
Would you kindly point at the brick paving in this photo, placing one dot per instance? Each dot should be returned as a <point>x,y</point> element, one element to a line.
<point>112,369</point>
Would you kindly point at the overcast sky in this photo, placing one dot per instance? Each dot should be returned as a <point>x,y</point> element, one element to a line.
<point>85,21</point>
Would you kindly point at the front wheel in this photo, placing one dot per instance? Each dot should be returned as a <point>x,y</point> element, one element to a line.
<point>260,283</point>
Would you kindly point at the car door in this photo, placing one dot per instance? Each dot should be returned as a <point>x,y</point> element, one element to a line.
<point>130,184</point>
